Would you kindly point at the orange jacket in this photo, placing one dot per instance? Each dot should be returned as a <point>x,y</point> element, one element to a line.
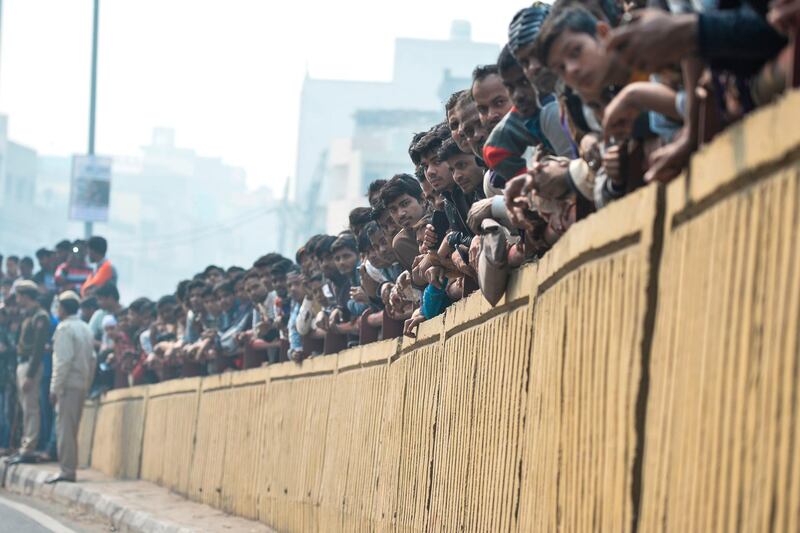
<point>103,275</point>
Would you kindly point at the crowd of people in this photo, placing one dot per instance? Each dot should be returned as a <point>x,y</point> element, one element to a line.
<point>588,101</point>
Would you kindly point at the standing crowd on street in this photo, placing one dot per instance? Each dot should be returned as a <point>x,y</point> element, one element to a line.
<point>588,101</point>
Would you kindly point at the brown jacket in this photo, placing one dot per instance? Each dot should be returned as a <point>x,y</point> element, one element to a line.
<point>406,248</point>
<point>33,338</point>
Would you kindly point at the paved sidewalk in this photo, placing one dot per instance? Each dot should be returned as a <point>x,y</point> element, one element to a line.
<point>131,506</point>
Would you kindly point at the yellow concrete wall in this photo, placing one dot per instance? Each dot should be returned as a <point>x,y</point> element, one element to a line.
<point>642,376</point>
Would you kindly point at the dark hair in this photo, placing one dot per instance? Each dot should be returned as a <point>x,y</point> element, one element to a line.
<point>224,286</point>
<point>431,141</point>
<point>43,252</point>
<point>234,270</point>
<point>140,305</point>
<point>209,268</point>
<point>451,102</point>
<point>109,290</point>
<point>70,306</point>
<point>89,303</point>
<point>606,10</point>
<point>358,218</point>
<point>345,240</point>
<point>364,244</point>
<point>26,261</point>
<point>419,173</point>
<point>506,60</point>
<point>281,267</point>
<point>399,185</point>
<point>374,190</point>
<point>12,258</point>
<point>252,273</point>
<point>64,246</point>
<point>413,153</point>
<point>180,291</point>
<point>448,149</point>
<point>195,284</point>
<point>98,244</point>
<point>574,19</point>
<point>166,300</point>
<point>311,243</point>
<point>267,260</point>
<point>482,72</point>
<point>324,246</point>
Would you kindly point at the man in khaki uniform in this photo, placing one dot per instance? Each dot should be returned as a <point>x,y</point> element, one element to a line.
<point>33,338</point>
<point>73,370</point>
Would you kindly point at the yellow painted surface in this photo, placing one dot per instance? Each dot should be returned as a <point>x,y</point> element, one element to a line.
<point>642,375</point>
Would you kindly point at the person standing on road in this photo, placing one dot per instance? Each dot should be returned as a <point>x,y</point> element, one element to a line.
<point>73,370</point>
<point>33,338</point>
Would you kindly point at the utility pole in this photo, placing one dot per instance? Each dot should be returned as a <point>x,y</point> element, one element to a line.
<point>93,96</point>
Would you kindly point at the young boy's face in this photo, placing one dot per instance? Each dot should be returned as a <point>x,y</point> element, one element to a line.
<point>226,300</point>
<point>328,264</point>
<point>522,93</point>
<point>387,224</point>
<point>454,125</point>
<point>214,276</point>
<point>195,299</point>
<point>279,284</point>
<point>471,127</point>
<point>466,172</point>
<point>580,60</point>
<point>211,304</point>
<point>381,250</point>
<point>437,172</point>
<point>491,98</point>
<point>405,210</point>
<point>296,287</point>
<point>345,260</point>
<point>255,290</point>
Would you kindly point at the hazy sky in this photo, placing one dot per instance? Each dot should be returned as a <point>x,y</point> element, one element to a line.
<point>225,74</point>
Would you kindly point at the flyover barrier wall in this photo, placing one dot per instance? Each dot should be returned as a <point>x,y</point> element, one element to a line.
<point>641,377</point>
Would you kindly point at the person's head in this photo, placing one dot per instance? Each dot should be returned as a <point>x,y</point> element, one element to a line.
<point>466,172</point>
<point>436,172</point>
<point>63,251</point>
<point>181,292</point>
<point>77,256</point>
<point>26,267</point>
<point>254,287</point>
<point>210,301</point>
<point>225,293</point>
<point>97,247</point>
<point>69,303</point>
<point>278,273</point>
<point>490,95</point>
<point>413,153</point>
<point>263,265</point>
<point>522,33</point>
<point>166,309</point>
<point>45,258</point>
<point>383,217</point>
<point>452,120</point>
<point>402,196</point>
<point>88,307</point>
<point>345,253</point>
<point>194,295</point>
<point>296,284</point>
<point>12,266</point>
<point>325,256</point>
<point>374,192</point>
<point>570,43</point>
<point>27,295</point>
<point>107,297</point>
<point>382,254</point>
<point>358,219</point>
<point>470,125</point>
<point>214,274</point>
<point>141,313</point>
<point>522,93</point>
<point>309,262</point>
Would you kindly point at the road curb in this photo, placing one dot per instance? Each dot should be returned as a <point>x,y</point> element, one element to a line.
<point>29,480</point>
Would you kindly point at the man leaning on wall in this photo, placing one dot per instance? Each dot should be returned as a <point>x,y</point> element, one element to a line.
<point>73,370</point>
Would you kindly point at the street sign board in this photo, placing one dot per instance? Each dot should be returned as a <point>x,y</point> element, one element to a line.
<point>91,188</point>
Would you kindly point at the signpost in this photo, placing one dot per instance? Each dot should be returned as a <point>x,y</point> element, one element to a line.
<point>91,188</point>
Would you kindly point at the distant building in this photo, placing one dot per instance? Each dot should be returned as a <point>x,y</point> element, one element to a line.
<point>172,212</point>
<point>328,107</point>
